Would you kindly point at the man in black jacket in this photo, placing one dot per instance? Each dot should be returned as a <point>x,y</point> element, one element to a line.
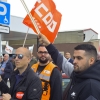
<point>25,84</point>
<point>68,57</point>
<point>85,84</point>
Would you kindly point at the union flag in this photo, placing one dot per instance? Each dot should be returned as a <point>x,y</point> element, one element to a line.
<point>47,18</point>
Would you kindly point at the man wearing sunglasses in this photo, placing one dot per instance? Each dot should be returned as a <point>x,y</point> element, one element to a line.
<point>49,74</point>
<point>25,84</point>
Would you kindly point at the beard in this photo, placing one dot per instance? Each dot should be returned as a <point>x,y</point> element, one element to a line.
<point>43,61</point>
<point>79,69</point>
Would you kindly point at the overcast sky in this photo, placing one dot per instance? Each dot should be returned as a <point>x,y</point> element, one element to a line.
<point>76,14</point>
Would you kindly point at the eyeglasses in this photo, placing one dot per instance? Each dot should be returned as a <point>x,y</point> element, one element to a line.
<point>41,52</point>
<point>20,56</point>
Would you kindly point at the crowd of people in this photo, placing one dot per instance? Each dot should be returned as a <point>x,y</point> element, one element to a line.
<point>41,79</point>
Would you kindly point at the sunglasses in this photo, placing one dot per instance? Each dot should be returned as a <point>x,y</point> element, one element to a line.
<point>20,56</point>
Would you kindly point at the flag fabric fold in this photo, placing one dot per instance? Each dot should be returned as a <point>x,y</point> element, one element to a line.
<point>47,18</point>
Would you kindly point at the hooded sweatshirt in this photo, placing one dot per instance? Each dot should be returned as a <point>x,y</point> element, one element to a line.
<point>85,85</point>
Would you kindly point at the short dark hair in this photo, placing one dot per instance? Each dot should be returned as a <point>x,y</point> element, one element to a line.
<point>40,45</point>
<point>88,48</point>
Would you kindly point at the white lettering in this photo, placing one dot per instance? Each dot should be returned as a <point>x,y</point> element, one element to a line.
<point>49,15</point>
<point>48,18</point>
<point>51,27</point>
<point>39,7</point>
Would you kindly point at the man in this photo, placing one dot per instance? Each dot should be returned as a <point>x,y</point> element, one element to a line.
<point>57,57</point>
<point>49,74</point>
<point>12,60</point>
<point>68,57</point>
<point>85,84</point>
<point>25,84</point>
<point>6,68</point>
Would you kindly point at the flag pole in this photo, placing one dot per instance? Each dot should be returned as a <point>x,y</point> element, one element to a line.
<point>25,37</point>
<point>30,16</point>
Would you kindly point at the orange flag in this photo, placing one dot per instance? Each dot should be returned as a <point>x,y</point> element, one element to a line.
<point>47,18</point>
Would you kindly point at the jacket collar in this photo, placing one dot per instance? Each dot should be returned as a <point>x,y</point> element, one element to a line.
<point>24,73</point>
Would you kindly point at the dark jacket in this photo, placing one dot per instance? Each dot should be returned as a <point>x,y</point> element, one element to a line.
<point>33,61</point>
<point>56,85</point>
<point>30,85</point>
<point>8,70</point>
<point>85,85</point>
<point>70,60</point>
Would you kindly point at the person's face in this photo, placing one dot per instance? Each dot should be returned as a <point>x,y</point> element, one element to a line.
<point>22,61</point>
<point>5,57</point>
<point>81,60</point>
<point>43,55</point>
<point>67,55</point>
<point>13,60</point>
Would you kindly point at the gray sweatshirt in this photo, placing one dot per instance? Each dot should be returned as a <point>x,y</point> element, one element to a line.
<point>60,60</point>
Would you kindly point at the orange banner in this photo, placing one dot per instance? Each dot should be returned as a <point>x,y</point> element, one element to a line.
<point>46,17</point>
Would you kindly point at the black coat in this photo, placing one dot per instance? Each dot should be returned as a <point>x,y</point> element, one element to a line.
<point>30,85</point>
<point>85,85</point>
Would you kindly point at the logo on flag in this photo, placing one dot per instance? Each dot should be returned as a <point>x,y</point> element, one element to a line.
<point>8,49</point>
<point>47,18</point>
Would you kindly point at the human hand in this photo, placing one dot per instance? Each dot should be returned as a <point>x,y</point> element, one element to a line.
<point>43,39</point>
<point>6,96</point>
